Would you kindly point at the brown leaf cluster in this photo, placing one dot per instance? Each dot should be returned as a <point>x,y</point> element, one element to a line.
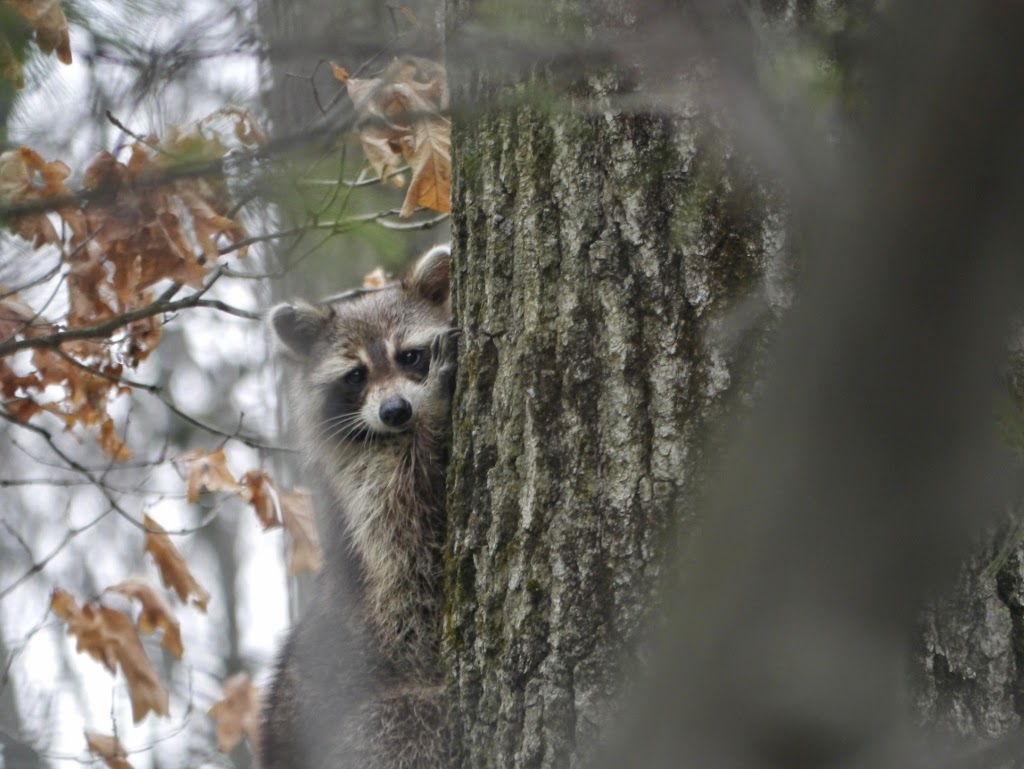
<point>237,714</point>
<point>273,506</point>
<point>400,118</point>
<point>27,177</point>
<point>140,222</point>
<point>87,387</point>
<point>52,35</point>
<point>110,637</point>
<point>16,316</point>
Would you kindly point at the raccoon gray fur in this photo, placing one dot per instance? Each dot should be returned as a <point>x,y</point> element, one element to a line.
<point>358,683</point>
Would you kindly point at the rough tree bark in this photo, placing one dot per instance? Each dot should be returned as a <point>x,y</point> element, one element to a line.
<point>602,255</point>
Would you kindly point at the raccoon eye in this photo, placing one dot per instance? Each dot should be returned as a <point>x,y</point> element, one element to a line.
<point>355,377</point>
<point>414,359</point>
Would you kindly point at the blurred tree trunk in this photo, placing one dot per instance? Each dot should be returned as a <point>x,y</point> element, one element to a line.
<point>969,659</point>
<point>604,258</point>
<point>14,752</point>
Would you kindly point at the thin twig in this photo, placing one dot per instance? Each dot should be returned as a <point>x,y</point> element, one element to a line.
<point>107,327</point>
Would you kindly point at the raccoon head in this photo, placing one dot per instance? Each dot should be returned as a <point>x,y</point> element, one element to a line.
<point>370,365</point>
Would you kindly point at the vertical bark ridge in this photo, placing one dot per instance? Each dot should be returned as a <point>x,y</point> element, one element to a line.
<point>597,257</point>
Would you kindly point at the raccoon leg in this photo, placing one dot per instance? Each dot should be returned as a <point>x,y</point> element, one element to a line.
<point>406,728</point>
<point>281,745</point>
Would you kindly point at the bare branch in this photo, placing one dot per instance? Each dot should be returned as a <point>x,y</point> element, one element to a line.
<point>106,328</point>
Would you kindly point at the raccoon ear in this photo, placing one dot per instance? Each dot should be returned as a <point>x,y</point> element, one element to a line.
<point>299,325</point>
<point>428,278</point>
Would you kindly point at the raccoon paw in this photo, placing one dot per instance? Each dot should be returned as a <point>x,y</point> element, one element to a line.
<point>442,356</point>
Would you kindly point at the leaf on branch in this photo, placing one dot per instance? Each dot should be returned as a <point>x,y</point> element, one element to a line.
<point>155,613</point>
<point>139,230</point>
<point>145,223</point>
<point>431,162</point>
<point>304,553</point>
<point>22,409</point>
<point>111,442</point>
<point>108,748</point>
<point>26,177</point>
<point>208,472</point>
<point>16,316</point>
<point>294,510</point>
<point>377,278</point>
<point>247,129</point>
<point>339,72</point>
<point>50,23</point>
<point>237,713</point>
<point>258,490</point>
<point>110,637</point>
<point>173,570</point>
<point>10,65</point>
<point>400,118</point>
<point>87,392</point>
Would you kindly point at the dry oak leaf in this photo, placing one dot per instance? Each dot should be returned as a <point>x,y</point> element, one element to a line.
<point>108,748</point>
<point>339,72</point>
<point>110,637</point>
<point>247,128</point>
<point>173,570</point>
<point>209,472</point>
<point>258,490</point>
<point>16,316</point>
<point>431,162</point>
<point>377,278</point>
<point>237,713</point>
<point>155,613</point>
<point>26,177</point>
<point>111,442</point>
<point>400,118</point>
<point>140,229</point>
<point>304,553</point>
<point>10,66</point>
<point>22,409</point>
<point>50,23</point>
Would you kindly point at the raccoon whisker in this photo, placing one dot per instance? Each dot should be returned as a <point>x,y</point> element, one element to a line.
<point>341,419</point>
<point>346,423</point>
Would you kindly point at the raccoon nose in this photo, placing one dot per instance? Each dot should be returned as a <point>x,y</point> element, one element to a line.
<point>395,411</point>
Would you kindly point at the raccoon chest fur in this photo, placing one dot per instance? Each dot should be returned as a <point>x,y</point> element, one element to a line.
<point>390,512</point>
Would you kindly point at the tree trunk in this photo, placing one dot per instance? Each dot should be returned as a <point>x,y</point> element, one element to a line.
<point>603,257</point>
<point>968,671</point>
<point>600,262</point>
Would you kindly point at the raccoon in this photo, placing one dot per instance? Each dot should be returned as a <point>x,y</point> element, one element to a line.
<point>358,682</point>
